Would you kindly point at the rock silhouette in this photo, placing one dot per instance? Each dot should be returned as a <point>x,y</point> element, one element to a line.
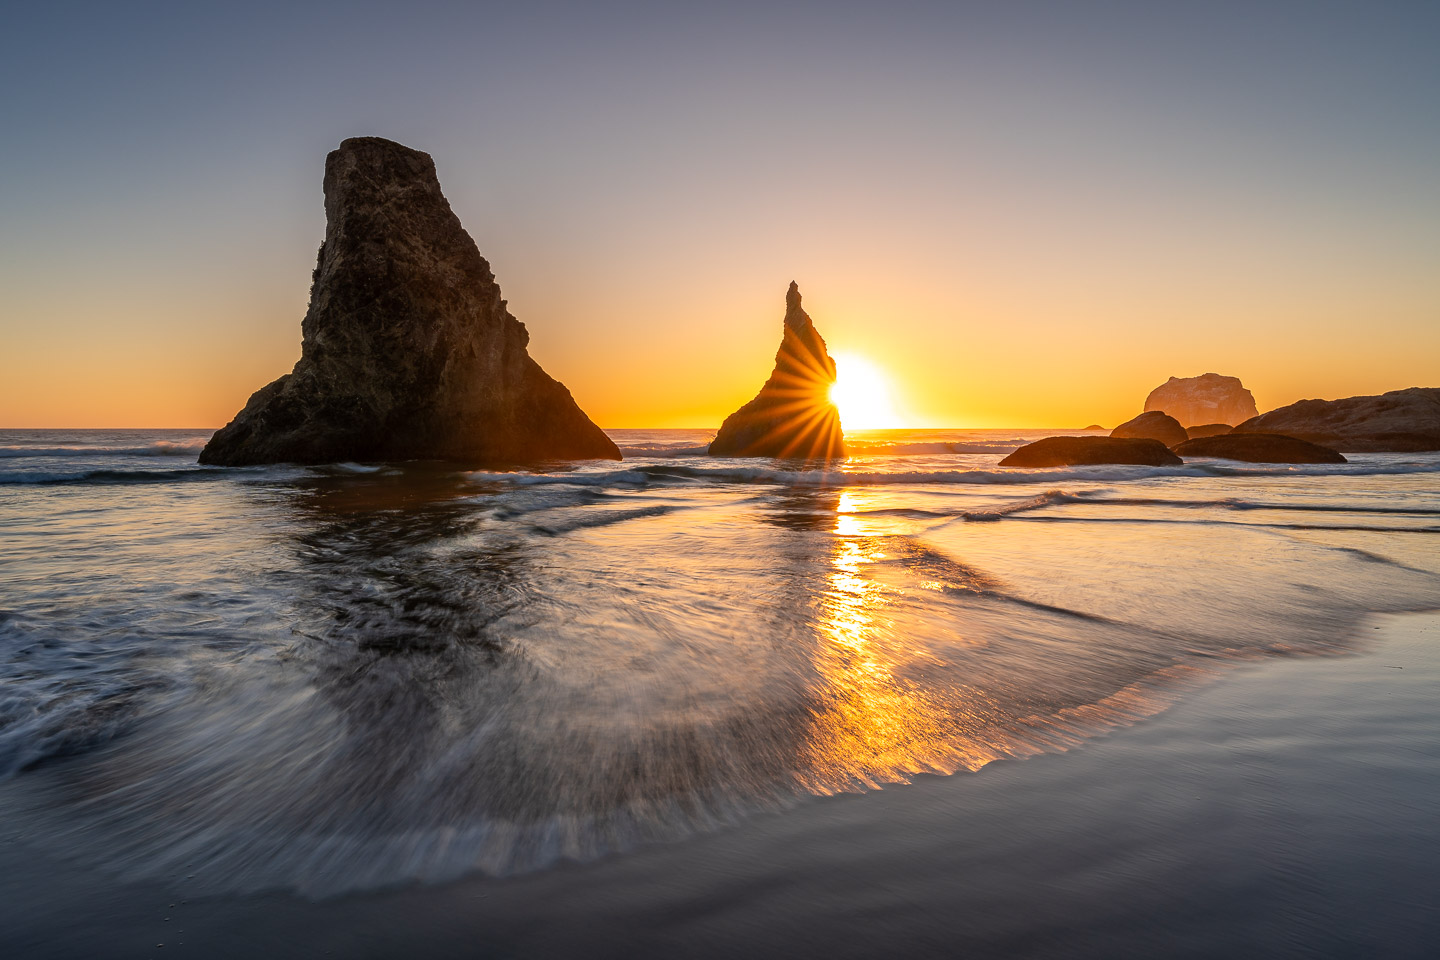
<point>408,349</point>
<point>1209,398</point>
<point>1259,448</point>
<point>1208,430</point>
<point>792,415</point>
<point>1402,421</point>
<point>1089,451</point>
<point>1153,426</point>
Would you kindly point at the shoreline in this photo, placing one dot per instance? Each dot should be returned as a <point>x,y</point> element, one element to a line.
<point>1283,809</point>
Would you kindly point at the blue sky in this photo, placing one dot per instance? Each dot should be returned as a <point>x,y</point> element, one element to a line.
<point>1171,187</point>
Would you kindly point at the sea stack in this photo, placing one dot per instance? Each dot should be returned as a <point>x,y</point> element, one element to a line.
<point>792,415</point>
<point>1209,398</point>
<point>408,350</point>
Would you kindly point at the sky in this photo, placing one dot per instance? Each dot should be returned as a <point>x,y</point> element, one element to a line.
<point>1023,214</point>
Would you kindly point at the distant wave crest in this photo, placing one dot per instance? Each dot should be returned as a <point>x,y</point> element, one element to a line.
<point>160,448</point>
<point>771,472</point>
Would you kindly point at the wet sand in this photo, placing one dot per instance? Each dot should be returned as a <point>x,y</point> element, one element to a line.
<point>1289,809</point>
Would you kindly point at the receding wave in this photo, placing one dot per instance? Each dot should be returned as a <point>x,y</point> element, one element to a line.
<point>1047,499</point>
<point>368,695</point>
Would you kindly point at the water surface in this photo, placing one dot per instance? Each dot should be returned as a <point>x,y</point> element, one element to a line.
<point>346,677</point>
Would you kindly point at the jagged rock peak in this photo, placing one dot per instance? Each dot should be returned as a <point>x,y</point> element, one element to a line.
<point>408,351</point>
<point>792,415</point>
<point>795,315</point>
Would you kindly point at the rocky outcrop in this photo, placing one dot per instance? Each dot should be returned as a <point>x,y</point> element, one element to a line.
<point>408,349</point>
<point>1208,430</point>
<point>1403,421</point>
<point>1088,451</point>
<point>1259,448</point>
<point>1152,426</point>
<point>792,415</point>
<point>1209,398</point>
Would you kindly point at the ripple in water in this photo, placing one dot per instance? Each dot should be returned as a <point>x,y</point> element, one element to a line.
<point>344,682</point>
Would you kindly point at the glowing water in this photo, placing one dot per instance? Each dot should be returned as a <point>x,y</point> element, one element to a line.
<point>345,677</point>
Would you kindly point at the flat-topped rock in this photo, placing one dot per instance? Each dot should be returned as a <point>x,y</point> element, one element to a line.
<point>1402,421</point>
<point>792,415</point>
<point>1152,426</point>
<point>1209,398</point>
<point>1259,448</point>
<point>1208,430</point>
<point>1092,451</point>
<point>408,350</point>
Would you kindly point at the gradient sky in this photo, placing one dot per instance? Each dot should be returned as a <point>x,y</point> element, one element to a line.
<point>1028,214</point>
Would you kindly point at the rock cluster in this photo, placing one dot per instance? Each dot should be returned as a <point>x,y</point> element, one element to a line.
<point>408,349</point>
<point>1404,421</point>
<point>1210,398</point>
<point>792,415</point>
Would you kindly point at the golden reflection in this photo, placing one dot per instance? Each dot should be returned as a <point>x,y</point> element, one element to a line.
<point>872,724</point>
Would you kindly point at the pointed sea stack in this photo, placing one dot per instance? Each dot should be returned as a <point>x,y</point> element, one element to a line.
<point>408,350</point>
<point>792,415</point>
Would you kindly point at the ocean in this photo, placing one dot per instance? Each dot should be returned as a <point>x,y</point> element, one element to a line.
<point>324,682</point>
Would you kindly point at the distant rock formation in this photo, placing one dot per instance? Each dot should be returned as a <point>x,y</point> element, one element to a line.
<point>1089,451</point>
<point>792,415</point>
<point>408,349</point>
<point>1153,426</point>
<point>1094,426</point>
<point>1208,430</point>
<point>1210,398</point>
<point>1259,448</point>
<point>1401,421</point>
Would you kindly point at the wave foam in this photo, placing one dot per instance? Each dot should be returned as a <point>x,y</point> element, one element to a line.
<point>160,448</point>
<point>1046,499</point>
<point>664,450</point>
<point>774,472</point>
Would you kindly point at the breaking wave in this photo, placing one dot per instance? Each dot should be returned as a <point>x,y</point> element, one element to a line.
<point>161,448</point>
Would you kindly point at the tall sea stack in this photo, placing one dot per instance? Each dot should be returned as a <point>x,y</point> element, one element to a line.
<point>792,415</point>
<point>408,349</point>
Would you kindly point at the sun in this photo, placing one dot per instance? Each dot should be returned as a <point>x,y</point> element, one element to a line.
<point>862,395</point>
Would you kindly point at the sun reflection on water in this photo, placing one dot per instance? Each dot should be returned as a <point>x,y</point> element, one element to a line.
<point>875,725</point>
